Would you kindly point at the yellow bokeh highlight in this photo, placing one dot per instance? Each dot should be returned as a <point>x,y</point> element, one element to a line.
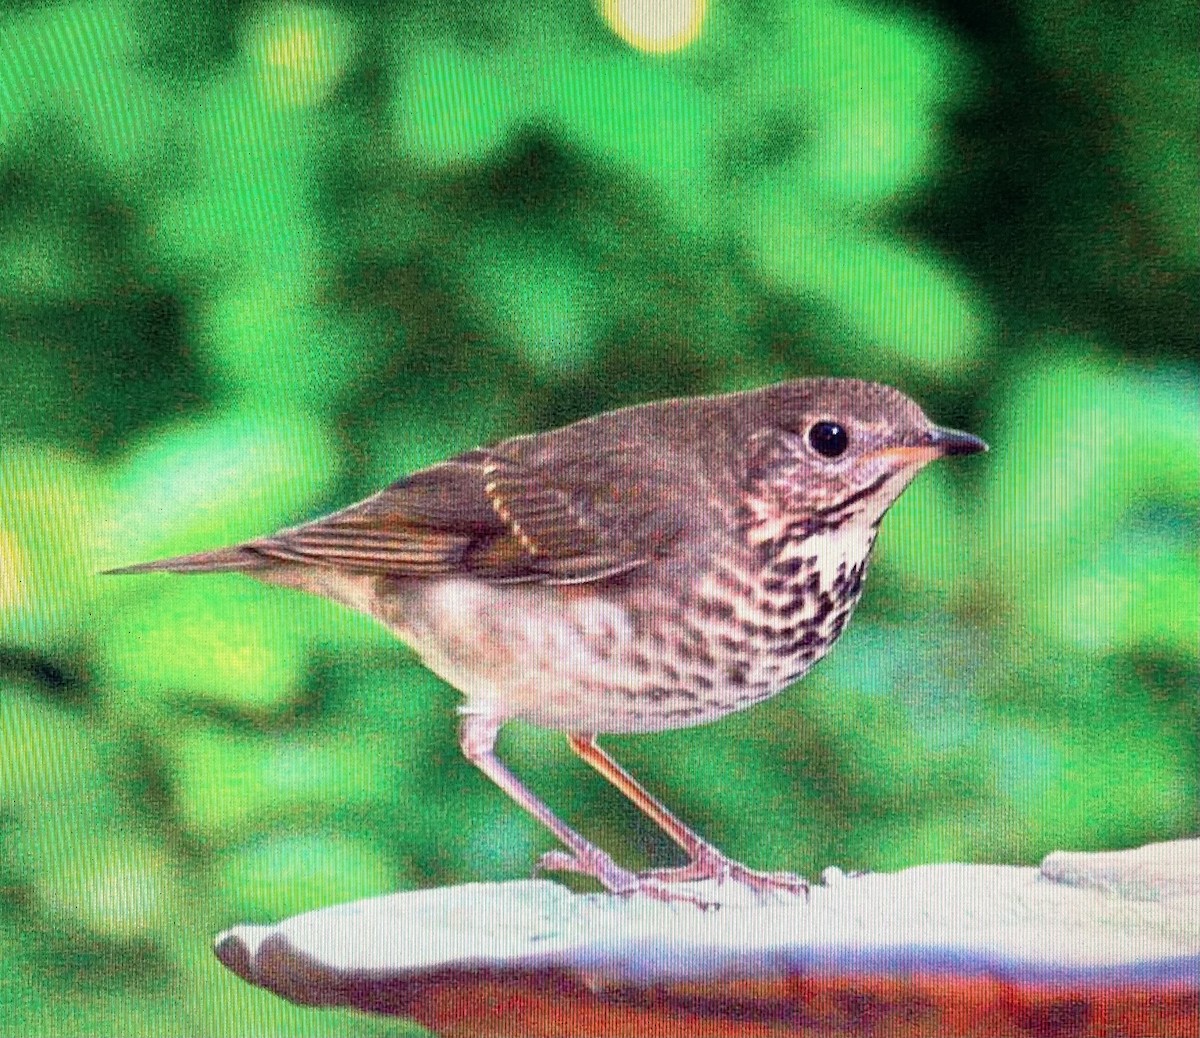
<point>13,589</point>
<point>656,26</point>
<point>294,49</point>
<point>301,52</point>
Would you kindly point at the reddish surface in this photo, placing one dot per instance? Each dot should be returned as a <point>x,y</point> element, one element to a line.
<point>472,1005</point>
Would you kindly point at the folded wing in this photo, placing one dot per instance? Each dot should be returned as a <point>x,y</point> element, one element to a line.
<point>568,516</point>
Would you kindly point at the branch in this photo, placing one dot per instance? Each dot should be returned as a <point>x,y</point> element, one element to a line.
<point>1089,944</point>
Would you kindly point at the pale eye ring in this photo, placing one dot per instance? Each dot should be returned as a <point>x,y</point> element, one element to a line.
<point>829,439</point>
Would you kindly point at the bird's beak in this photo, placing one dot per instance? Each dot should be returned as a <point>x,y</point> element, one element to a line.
<point>951,441</point>
<point>934,444</point>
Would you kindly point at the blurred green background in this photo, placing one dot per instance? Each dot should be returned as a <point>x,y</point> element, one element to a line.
<point>258,260</point>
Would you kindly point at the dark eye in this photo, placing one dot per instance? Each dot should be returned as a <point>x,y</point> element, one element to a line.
<point>828,439</point>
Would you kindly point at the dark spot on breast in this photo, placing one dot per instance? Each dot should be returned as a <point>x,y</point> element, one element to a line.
<point>802,596</point>
<point>837,623</point>
<point>811,636</point>
<point>824,608</point>
<point>716,609</point>
<point>790,567</point>
<point>661,693</point>
<point>735,673</point>
<point>694,653</point>
<point>768,551</point>
<point>773,585</point>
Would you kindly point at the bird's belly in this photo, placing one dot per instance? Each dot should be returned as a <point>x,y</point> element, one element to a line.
<point>576,659</point>
<point>557,657</point>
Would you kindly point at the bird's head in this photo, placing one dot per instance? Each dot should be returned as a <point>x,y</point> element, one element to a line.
<point>840,447</point>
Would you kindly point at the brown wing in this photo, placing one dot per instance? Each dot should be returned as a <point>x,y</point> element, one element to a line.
<point>421,525</point>
<point>568,516</point>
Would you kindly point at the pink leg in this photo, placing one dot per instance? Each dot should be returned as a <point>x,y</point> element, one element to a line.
<point>477,737</point>
<point>706,861</point>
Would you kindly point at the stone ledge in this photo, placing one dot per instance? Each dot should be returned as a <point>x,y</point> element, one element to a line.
<point>1104,943</point>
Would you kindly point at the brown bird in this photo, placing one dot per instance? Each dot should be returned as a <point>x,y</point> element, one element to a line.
<point>653,567</point>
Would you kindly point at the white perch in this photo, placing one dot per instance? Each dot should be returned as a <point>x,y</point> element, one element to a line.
<point>1104,943</point>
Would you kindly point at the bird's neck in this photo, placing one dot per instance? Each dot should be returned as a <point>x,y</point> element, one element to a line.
<point>827,550</point>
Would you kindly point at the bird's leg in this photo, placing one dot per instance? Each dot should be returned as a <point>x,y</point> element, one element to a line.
<point>706,861</point>
<point>477,738</point>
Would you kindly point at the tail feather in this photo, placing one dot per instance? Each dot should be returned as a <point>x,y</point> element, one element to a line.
<point>223,560</point>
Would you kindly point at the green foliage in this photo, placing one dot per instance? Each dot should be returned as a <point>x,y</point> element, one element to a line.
<point>257,262</point>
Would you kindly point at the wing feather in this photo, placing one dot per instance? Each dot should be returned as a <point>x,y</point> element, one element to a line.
<point>550,509</point>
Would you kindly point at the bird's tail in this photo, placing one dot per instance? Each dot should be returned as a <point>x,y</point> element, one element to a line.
<point>223,560</point>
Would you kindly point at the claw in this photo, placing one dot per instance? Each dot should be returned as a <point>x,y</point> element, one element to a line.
<point>711,864</point>
<point>618,880</point>
<point>668,884</point>
<point>596,865</point>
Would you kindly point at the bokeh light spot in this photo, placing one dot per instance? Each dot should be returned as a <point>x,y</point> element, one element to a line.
<point>301,52</point>
<point>12,572</point>
<point>294,50</point>
<point>656,26</point>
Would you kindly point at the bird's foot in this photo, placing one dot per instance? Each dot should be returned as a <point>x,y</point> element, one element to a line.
<point>598,865</point>
<point>710,863</point>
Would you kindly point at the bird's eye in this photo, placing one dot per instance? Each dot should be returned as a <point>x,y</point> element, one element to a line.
<point>828,439</point>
